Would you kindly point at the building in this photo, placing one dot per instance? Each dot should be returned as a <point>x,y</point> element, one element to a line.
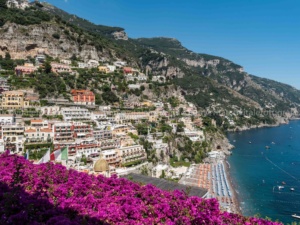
<point>75,114</point>
<point>88,147</point>
<point>111,68</point>
<point>103,69</point>
<point>131,116</point>
<point>35,134</point>
<point>50,110</point>
<point>83,97</point>
<point>120,63</point>
<point>28,68</point>
<point>101,167</point>
<point>66,61</point>
<point>82,130</point>
<point>40,59</point>
<point>100,134</point>
<point>13,137</point>
<point>131,153</point>
<point>158,170</point>
<point>60,68</point>
<point>63,132</point>
<point>14,100</point>
<point>98,115</point>
<point>39,123</point>
<point>127,70</point>
<point>82,65</point>
<point>93,63</point>
<point>6,119</point>
<point>111,157</point>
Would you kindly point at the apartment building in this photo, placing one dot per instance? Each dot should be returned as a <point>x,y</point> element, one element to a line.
<point>60,68</point>
<point>14,100</point>
<point>83,97</point>
<point>111,157</point>
<point>37,134</point>
<point>28,68</point>
<point>131,153</point>
<point>63,132</point>
<point>102,134</point>
<point>75,114</point>
<point>13,137</point>
<point>87,147</point>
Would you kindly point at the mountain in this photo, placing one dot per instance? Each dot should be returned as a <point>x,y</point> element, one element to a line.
<point>112,32</point>
<point>219,87</point>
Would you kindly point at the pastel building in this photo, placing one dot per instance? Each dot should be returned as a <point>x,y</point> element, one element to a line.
<point>83,97</point>
<point>60,68</point>
<point>28,68</point>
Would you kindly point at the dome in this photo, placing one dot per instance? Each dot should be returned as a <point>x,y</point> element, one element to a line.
<point>101,165</point>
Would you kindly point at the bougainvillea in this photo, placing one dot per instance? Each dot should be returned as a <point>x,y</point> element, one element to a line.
<point>52,195</point>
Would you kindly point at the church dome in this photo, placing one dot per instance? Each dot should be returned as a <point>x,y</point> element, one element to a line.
<point>101,165</point>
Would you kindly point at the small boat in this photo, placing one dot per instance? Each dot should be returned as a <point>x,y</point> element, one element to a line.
<point>296,216</point>
<point>280,187</point>
<point>283,182</point>
<point>267,147</point>
<point>292,189</point>
<point>250,142</point>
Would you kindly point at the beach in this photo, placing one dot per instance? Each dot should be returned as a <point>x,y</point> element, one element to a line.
<point>214,176</point>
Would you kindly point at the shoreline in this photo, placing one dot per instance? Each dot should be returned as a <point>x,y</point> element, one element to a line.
<point>236,203</point>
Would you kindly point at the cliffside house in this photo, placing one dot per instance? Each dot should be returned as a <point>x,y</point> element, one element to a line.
<point>83,97</point>
<point>28,68</point>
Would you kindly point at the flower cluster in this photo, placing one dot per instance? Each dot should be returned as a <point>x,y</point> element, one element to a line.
<point>52,195</point>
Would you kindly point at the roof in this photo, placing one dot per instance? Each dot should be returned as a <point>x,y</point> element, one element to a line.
<point>101,165</point>
<point>46,130</point>
<point>167,185</point>
<point>36,121</point>
<point>30,130</point>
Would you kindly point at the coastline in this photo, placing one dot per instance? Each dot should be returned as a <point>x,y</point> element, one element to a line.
<point>236,203</point>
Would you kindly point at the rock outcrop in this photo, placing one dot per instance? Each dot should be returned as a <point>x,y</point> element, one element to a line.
<point>23,41</point>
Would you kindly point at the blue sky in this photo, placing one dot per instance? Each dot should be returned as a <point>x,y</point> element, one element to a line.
<point>263,36</point>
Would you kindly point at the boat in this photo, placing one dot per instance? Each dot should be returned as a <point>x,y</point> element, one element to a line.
<point>280,187</point>
<point>283,182</point>
<point>267,147</point>
<point>250,142</point>
<point>296,216</point>
<point>292,189</point>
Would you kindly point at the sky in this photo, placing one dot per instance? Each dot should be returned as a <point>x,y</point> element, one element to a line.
<point>263,36</point>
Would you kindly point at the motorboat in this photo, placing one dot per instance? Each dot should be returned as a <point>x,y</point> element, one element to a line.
<point>296,216</point>
<point>292,189</point>
<point>283,182</point>
<point>280,187</point>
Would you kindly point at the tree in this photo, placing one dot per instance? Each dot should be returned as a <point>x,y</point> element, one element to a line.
<point>163,174</point>
<point>3,4</point>
<point>7,56</point>
<point>47,67</point>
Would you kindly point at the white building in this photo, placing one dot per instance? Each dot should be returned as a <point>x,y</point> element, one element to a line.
<point>33,134</point>
<point>98,115</point>
<point>2,149</point>
<point>131,153</point>
<point>50,110</point>
<point>120,63</point>
<point>13,137</point>
<point>75,114</point>
<point>82,65</point>
<point>111,68</point>
<point>158,170</point>
<point>7,119</point>
<point>93,63</point>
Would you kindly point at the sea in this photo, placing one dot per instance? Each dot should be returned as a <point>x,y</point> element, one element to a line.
<point>264,167</point>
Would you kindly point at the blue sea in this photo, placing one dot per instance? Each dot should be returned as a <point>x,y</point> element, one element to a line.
<point>257,172</point>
